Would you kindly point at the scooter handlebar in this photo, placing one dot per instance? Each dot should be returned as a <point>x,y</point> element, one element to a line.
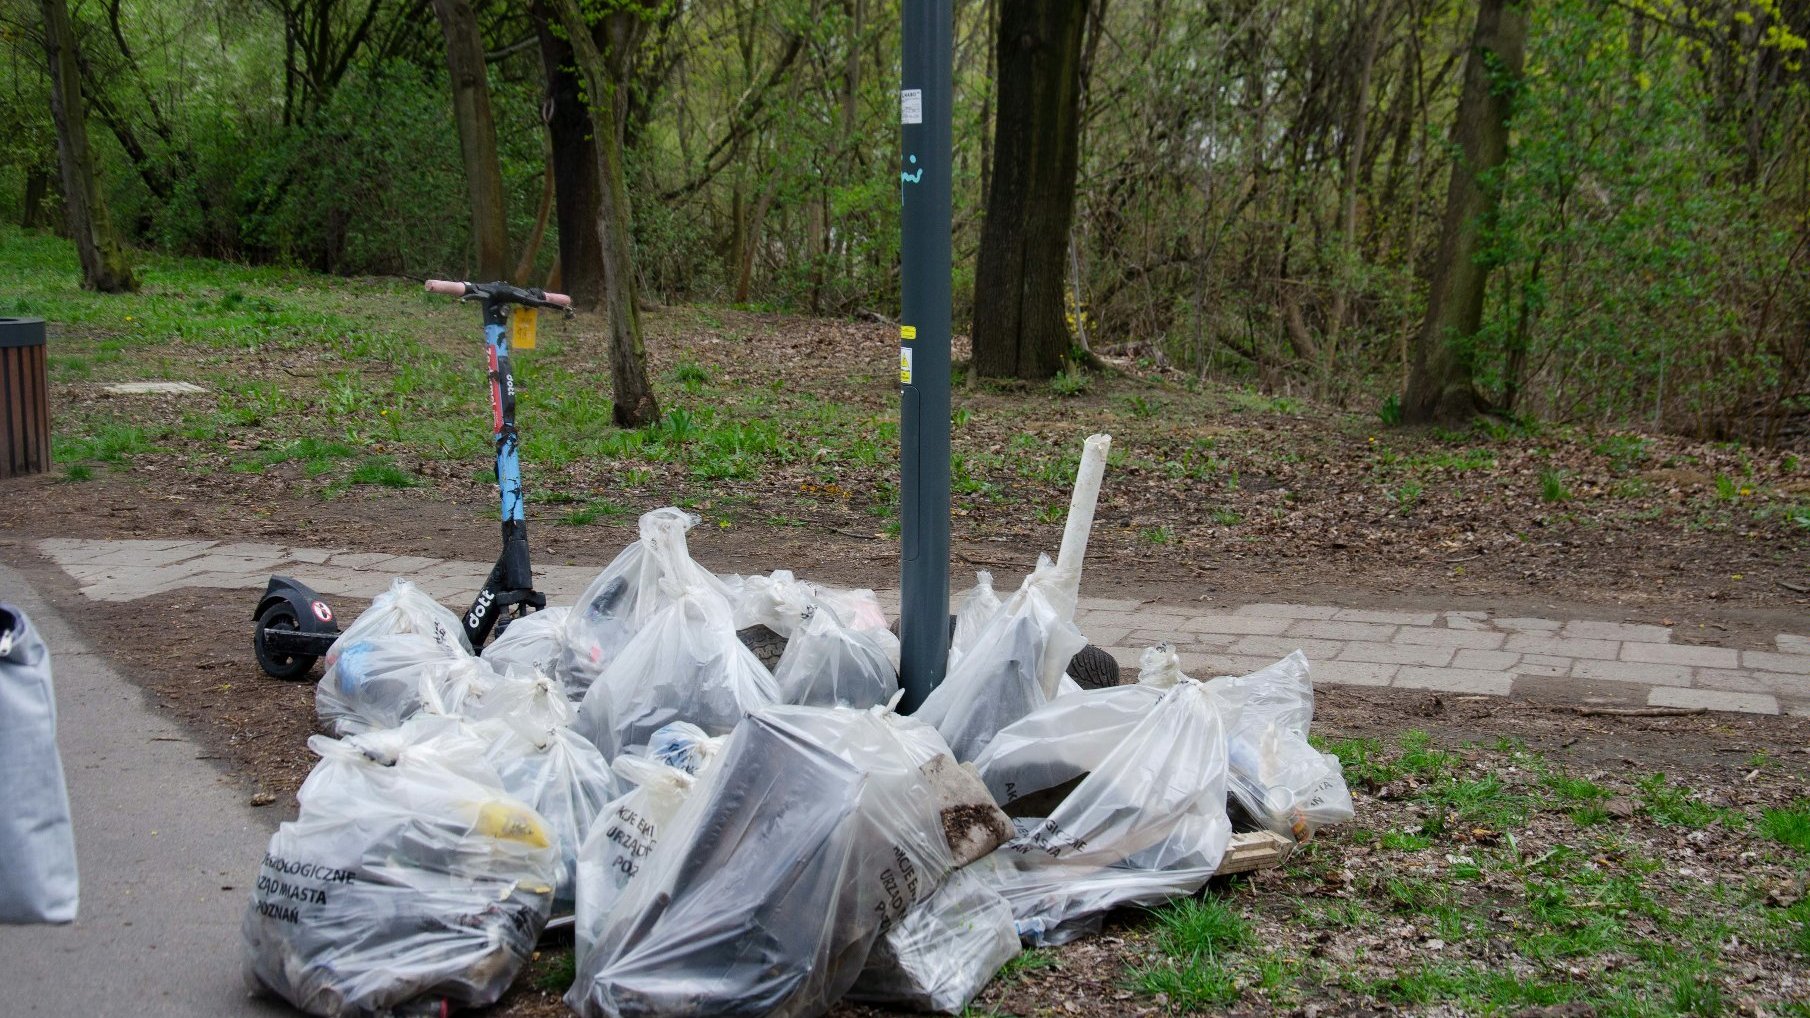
<point>528,297</point>
<point>557,299</point>
<point>446,286</point>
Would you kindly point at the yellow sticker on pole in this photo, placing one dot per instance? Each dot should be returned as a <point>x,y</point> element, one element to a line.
<point>522,326</point>
<point>908,332</point>
<point>905,365</point>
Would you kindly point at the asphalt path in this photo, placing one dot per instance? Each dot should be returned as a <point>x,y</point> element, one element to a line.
<point>167,845</point>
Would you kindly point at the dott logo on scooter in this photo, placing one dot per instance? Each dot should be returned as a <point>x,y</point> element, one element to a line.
<point>479,610</point>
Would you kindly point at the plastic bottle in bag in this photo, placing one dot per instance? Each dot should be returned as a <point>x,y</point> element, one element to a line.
<point>385,679</point>
<point>408,875</point>
<point>561,775</point>
<point>1279,782</point>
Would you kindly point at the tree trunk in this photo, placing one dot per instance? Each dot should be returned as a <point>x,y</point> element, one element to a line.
<point>1019,329</point>
<point>574,172</point>
<point>635,405</point>
<point>1439,379</point>
<point>35,213</point>
<point>104,265</point>
<point>477,136</point>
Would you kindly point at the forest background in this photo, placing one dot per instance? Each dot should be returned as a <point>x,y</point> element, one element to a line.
<point>1261,189</point>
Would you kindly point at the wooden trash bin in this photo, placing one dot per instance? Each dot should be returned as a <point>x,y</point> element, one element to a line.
<point>24,398</point>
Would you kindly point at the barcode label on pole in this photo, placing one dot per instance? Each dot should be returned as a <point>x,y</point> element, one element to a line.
<point>911,106</point>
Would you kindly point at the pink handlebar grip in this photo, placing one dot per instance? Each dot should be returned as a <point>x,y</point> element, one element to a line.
<point>558,298</point>
<point>446,286</point>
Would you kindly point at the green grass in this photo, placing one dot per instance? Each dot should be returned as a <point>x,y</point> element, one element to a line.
<point>555,970</point>
<point>1552,486</point>
<point>1402,841</point>
<point>1788,827</point>
<point>381,471</point>
<point>1029,961</point>
<point>1675,805</point>
<point>1072,381</point>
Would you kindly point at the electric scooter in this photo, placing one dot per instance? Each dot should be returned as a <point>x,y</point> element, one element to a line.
<point>295,626</point>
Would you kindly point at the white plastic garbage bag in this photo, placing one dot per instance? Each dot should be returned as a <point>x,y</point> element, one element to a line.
<point>944,952</point>
<point>628,594</point>
<point>813,832</point>
<point>1148,823</point>
<point>1013,667</point>
<point>1278,781</point>
<point>404,608</point>
<point>828,663</point>
<point>685,746</point>
<point>529,697</point>
<point>686,664</point>
<point>531,643</point>
<point>1056,745</point>
<point>782,602</point>
<point>623,838</point>
<point>409,877</point>
<point>383,680</point>
<point>38,882</point>
<point>979,605</point>
<point>560,774</point>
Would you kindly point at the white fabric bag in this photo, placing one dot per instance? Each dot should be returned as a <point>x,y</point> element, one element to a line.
<point>38,882</point>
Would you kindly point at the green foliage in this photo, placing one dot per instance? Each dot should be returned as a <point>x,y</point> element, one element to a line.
<point>1071,382</point>
<point>1552,486</point>
<point>1789,827</point>
<point>381,471</point>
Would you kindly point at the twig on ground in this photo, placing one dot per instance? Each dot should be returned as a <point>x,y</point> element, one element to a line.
<point>1640,712</point>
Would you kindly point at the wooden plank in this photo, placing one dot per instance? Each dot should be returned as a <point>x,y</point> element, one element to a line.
<point>1255,850</point>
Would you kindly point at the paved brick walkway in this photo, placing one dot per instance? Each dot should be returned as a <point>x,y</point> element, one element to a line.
<point>1457,652</point>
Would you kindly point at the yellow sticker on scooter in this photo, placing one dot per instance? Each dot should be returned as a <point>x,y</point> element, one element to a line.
<point>522,326</point>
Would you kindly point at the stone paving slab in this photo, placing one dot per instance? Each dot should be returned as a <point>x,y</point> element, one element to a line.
<point>1460,652</point>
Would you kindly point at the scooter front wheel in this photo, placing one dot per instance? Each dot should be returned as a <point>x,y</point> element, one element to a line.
<point>279,666</point>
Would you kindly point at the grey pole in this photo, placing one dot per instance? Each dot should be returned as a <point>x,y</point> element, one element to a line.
<point>924,188</point>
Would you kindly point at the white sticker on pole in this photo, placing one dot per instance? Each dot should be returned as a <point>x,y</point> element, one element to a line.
<point>904,365</point>
<point>911,106</point>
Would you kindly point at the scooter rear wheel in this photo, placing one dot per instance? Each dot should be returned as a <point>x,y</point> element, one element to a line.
<point>284,666</point>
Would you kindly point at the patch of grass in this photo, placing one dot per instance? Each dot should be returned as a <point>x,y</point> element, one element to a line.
<point>1029,961</point>
<point>110,442</point>
<point>1402,841</point>
<point>1157,535</point>
<point>1675,806</point>
<point>78,472</point>
<point>1421,759</point>
<point>1141,408</point>
<point>1552,486</point>
<point>1571,789</point>
<point>1362,762</point>
<point>1225,517</point>
<point>1406,496</point>
<point>1194,928</point>
<point>1390,411</point>
<point>1624,452</point>
<point>1072,381</point>
<point>555,970</point>
<point>1789,827</point>
<point>381,471</point>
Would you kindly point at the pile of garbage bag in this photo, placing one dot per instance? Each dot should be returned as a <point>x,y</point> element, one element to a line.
<point>742,838</point>
<point>409,875</point>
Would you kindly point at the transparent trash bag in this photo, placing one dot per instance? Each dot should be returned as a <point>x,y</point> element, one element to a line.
<point>828,663</point>
<point>629,593</point>
<point>623,838</point>
<point>815,830</point>
<point>783,603</point>
<point>1014,666</point>
<point>1147,823</point>
<point>685,746</point>
<point>686,664</point>
<point>408,878</point>
<point>944,952</point>
<point>527,697</point>
<point>383,680</point>
<point>562,776</point>
<point>404,608</point>
<point>531,643</point>
<point>1037,759</point>
<point>1278,781</point>
<point>979,605</point>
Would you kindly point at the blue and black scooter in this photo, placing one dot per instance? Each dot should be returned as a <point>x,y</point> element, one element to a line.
<point>295,626</point>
